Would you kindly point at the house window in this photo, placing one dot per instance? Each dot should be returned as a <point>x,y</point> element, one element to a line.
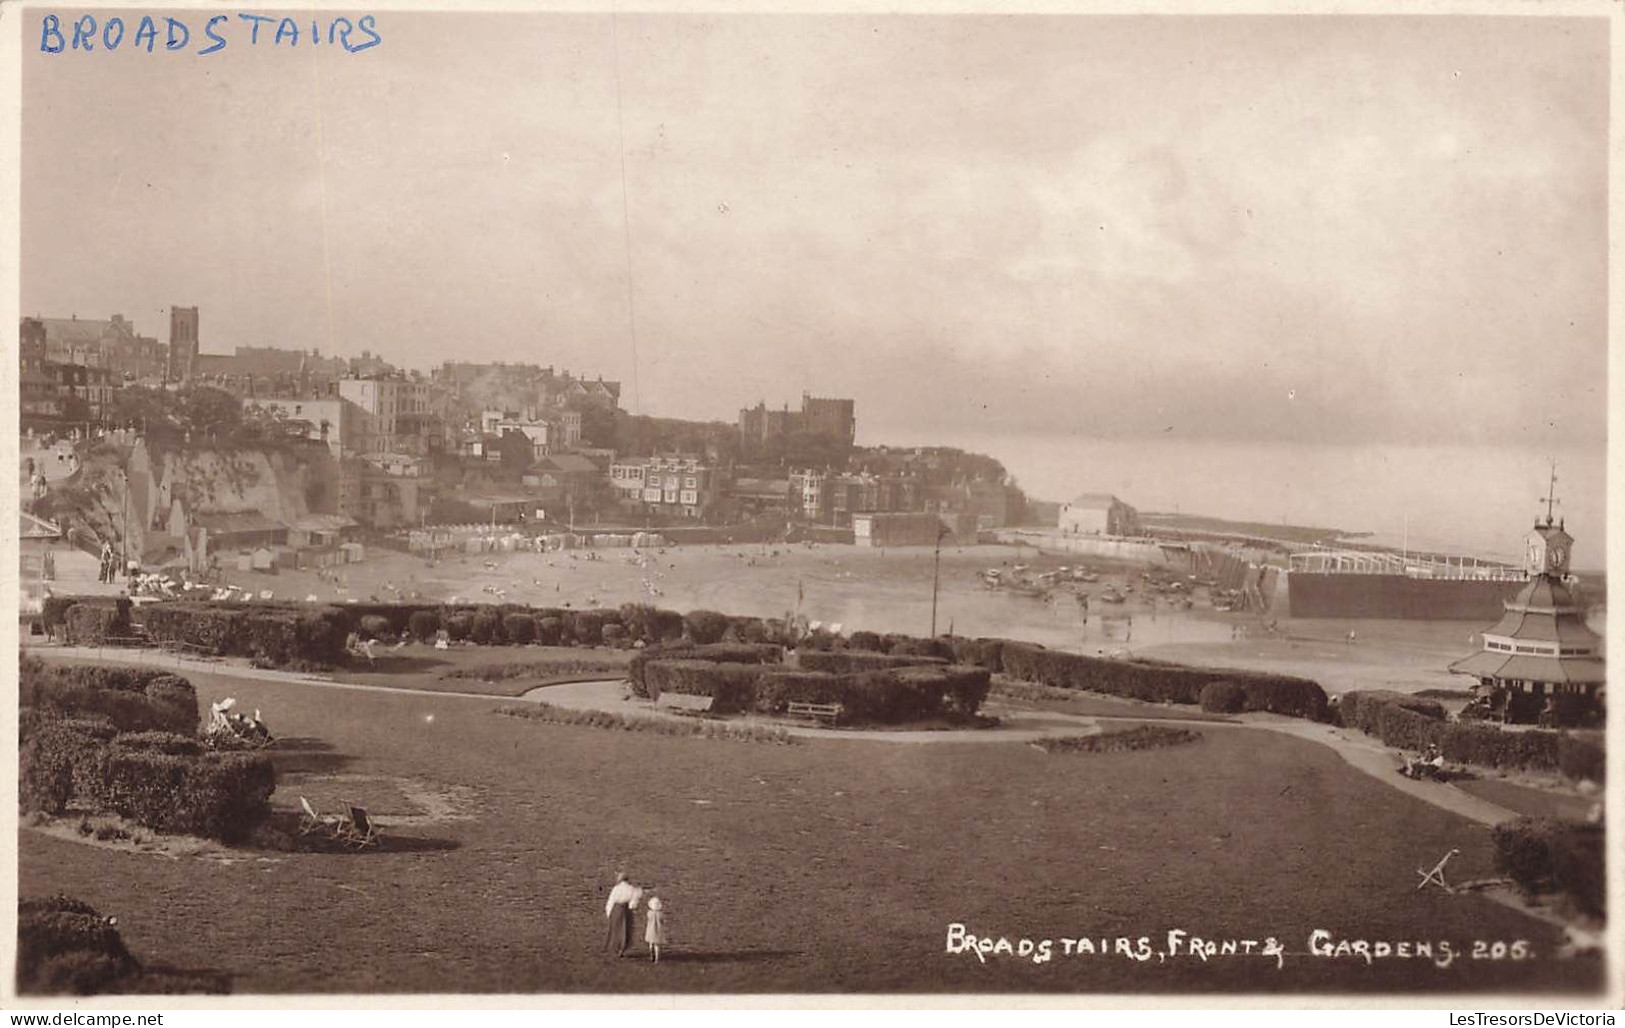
<point>690,482</point>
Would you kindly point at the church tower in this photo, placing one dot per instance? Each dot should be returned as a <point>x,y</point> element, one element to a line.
<point>182,343</point>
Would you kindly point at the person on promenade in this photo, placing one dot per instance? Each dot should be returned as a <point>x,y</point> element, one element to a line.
<point>623,899</point>
<point>654,925</point>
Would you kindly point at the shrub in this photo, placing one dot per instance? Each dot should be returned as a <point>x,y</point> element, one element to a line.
<point>1549,855</point>
<point>658,726</point>
<point>1283,694</point>
<point>723,653</point>
<point>1581,757</point>
<point>178,696</point>
<point>851,661</point>
<point>962,687</point>
<point>373,626</point>
<point>217,795</point>
<point>519,628</point>
<point>981,652</point>
<point>587,626</point>
<point>268,633</point>
<point>549,631</point>
<point>53,614</point>
<point>1223,697</point>
<point>728,684</point>
<point>424,625</point>
<point>1398,721</point>
<point>88,624</point>
<point>59,763</point>
<point>868,641</point>
<point>486,627</point>
<point>459,627</point>
<point>615,635</point>
<point>65,946</point>
<point>58,691</point>
<point>159,742</point>
<point>776,690</point>
<point>704,627</point>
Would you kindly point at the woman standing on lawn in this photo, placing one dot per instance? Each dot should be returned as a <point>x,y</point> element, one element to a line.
<point>623,899</point>
<point>654,925</point>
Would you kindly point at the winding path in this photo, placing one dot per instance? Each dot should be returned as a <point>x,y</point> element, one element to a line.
<point>610,696</point>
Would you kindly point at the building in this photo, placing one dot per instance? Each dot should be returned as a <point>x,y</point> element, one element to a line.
<point>761,495</point>
<point>183,343</point>
<point>833,419</point>
<point>1540,662</point>
<point>1098,514</point>
<point>873,528</point>
<point>333,420</point>
<point>400,414</point>
<point>112,344</point>
<point>626,476</point>
<point>679,486</point>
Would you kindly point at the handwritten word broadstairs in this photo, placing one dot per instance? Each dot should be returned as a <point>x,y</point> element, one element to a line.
<point>182,35</point>
<point>1180,945</point>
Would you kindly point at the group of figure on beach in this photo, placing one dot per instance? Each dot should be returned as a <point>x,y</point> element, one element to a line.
<point>619,909</point>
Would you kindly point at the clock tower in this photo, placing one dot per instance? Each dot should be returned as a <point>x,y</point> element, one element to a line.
<point>1547,549</point>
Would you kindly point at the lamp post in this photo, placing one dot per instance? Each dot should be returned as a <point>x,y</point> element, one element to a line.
<point>936,575</point>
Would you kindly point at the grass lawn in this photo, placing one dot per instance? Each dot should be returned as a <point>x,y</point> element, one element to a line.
<point>485,670</point>
<point>1028,696</point>
<point>1529,801</point>
<point>826,866</point>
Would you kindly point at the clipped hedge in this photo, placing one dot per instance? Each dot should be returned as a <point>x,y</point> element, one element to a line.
<point>215,795</point>
<point>58,764</point>
<point>91,624</point>
<point>271,634</point>
<point>1159,682</point>
<point>1223,697</point>
<point>724,653</point>
<point>519,628</point>
<point>131,699</point>
<point>54,610</point>
<point>1394,718</point>
<point>704,626</point>
<point>64,946</point>
<point>887,696</point>
<point>849,661</point>
<point>776,689</point>
<point>1551,855</point>
<point>159,742</point>
<point>424,625</point>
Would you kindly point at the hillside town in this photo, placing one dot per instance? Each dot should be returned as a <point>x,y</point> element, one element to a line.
<point>179,457</point>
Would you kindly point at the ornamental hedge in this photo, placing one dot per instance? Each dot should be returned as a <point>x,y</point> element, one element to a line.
<point>889,696</point>
<point>1398,721</point>
<point>850,661</point>
<point>1550,855</point>
<point>1159,682</point>
<point>54,611</point>
<point>722,653</point>
<point>64,946</point>
<point>271,634</point>
<point>216,795</point>
<point>130,699</point>
<point>91,624</point>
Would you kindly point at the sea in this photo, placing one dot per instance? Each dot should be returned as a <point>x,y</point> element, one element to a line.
<point>1477,501</point>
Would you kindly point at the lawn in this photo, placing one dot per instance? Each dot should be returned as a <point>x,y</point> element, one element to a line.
<point>1529,801</point>
<point>825,866</point>
<point>485,670</point>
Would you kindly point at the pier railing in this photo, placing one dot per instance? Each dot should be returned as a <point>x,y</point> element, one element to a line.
<point>1368,562</point>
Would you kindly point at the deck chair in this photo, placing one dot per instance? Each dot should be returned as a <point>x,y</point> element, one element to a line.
<point>356,828</point>
<point>311,822</point>
<point>1436,876</point>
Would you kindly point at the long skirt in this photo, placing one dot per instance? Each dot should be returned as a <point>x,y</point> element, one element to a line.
<point>620,928</point>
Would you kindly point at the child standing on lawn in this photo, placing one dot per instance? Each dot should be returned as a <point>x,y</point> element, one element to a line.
<point>654,928</point>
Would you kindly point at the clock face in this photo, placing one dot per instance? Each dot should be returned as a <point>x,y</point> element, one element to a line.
<point>1558,555</point>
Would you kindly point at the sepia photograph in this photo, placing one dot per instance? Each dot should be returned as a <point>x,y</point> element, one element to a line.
<point>567,502</point>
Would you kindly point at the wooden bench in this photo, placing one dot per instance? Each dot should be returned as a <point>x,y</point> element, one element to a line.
<point>822,711</point>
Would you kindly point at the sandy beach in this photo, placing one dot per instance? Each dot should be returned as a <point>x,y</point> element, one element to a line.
<point>890,590</point>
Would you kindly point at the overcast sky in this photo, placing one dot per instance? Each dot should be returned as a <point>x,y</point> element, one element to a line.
<point>1301,229</point>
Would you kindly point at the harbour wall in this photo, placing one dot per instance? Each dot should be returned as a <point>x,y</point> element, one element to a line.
<point>1314,595</point>
<point>1138,551</point>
